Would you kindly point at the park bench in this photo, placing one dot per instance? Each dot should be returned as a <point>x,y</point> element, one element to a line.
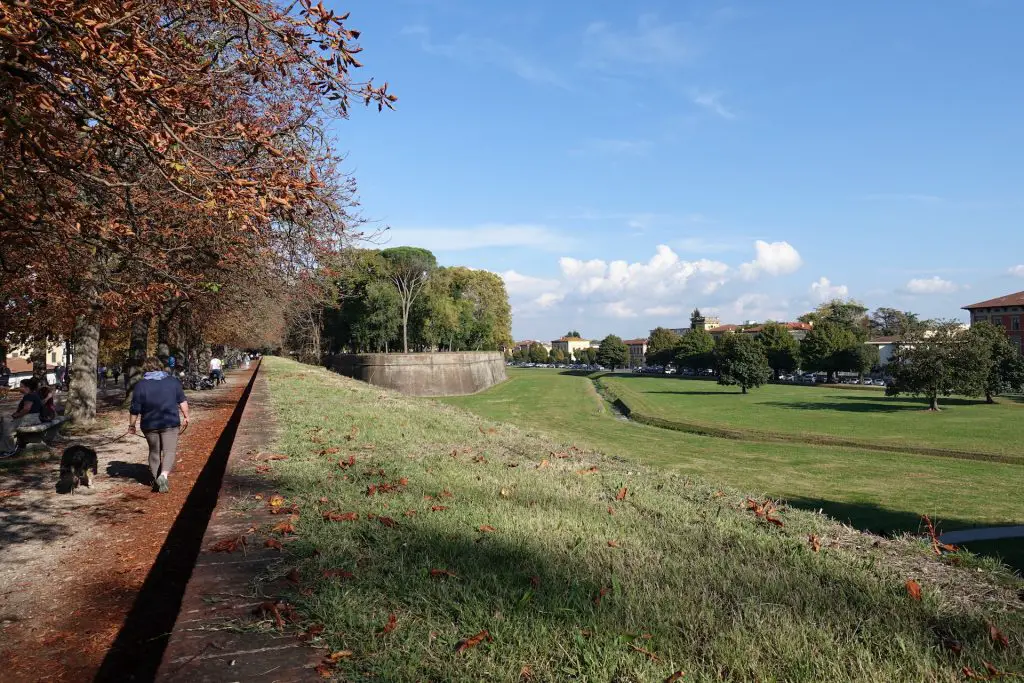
<point>44,432</point>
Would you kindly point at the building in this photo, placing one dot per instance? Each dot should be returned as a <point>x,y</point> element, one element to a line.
<point>796,330</point>
<point>1005,312</point>
<point>21,357</point>
<point>637,352</point>
<point>527,343</point>
<point>570,345</point>
<point>886,346</point>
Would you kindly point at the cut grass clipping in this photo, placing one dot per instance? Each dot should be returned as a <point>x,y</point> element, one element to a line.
<point>432,545</point>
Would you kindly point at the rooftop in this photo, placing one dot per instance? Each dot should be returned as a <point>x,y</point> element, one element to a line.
<point>1007,300</point>
<point>635,341</point>
<point>570,339</point>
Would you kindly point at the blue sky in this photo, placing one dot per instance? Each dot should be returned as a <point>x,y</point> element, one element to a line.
<point>621,163</point>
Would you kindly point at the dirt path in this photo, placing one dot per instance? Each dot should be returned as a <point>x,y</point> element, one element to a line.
<point>71,566</point>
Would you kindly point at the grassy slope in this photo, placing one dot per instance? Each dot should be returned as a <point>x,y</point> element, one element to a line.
<point>722,594</point>
<point>865,415</point>
<point>872,490</point>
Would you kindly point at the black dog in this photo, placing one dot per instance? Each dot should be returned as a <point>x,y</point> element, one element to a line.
<point>77,465</point>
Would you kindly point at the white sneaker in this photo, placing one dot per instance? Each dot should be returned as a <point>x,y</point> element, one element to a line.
<point>161,483</point>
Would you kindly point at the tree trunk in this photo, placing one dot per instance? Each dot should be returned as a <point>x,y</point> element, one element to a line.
<point>405,330</point>
<point>988,397</point>
<point>38,357</point>
<point>743,389</point>
<point>137,351</point>
<point>934,403</point>
<point>81,404</point>
<point>163,332</point>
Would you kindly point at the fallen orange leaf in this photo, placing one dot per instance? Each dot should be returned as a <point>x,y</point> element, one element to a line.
<point>341,516</point>
<point>815,542</point>
<point>613,544</point>
<point>391,625</point>
<point>589,470</point>
<point>272,543</point>
<point>438,508</point>
<point>276,501</point>
<point>487,528</point>
<point>337,574</point>
<point>621,495</point>
<point>472,641</point>
<point>998,636</point>
<point>438,573</point>
<point>675,677</point>
<point>914,589</point>
<point>543,463</point>
<point>340,654</point>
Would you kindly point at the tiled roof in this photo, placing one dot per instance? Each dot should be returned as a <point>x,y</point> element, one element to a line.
<point>570,339</point>
<point>789,326</point>
<point>635,341</point>
<point>1008,300</point>
<point>724,328</point>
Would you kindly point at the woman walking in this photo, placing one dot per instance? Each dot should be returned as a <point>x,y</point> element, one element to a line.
<point>158,398</point>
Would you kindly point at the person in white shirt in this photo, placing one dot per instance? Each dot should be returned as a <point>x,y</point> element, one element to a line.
<point>216,369</point>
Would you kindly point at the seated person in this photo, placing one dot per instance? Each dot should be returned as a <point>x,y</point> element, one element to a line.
<point>26,415</point>
<point>49,409</point>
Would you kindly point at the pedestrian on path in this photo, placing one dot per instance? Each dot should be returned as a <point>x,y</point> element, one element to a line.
<point>159,398</point>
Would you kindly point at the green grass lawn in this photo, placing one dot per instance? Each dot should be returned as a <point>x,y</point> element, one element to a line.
<point>805,412</point>
<point>691,582</point>
<point>879,491</point>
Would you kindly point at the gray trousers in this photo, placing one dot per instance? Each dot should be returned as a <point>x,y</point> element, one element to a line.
<point>163,446</point>
<point>8,425</point>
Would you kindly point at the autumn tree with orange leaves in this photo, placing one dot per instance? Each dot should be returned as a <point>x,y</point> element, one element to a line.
<point>153,152</point>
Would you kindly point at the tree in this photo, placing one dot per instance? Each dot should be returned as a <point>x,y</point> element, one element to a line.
<point>379,327</point>
<point>950,361</point>
<point>409,269</point>
<point>163,149</point>
<point>557,356</point>
<point>742,361</point>
<point>613,352</point>
<point>695,350</point>
<point>661,347</point>
<point>830,347</point>
<point>848,314</point>
<point>781,349</point>
<point>573,334</point>
<point>891,322</point>
<point>1003,364</point>
<point>538,354</point>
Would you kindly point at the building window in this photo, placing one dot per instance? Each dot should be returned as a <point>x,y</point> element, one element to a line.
<point>53,356</point>
<point>997,320</point>
<point>980,319</point>
<point>1015,322</point>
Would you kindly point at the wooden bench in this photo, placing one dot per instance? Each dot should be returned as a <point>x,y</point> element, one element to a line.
<point>44,432</point>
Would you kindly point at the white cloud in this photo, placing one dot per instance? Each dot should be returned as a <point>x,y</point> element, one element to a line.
<point>663,310</point>
<point>652,42</point>
<point>931,285</point>
<point>1017,270</point>
<point>484,236</point>
<point>517,283</point>
<point>823,290</point>
<point>619,309</point>
<point>662,274</point>
<point>712,101</point>
<point>775,258</point>
<point>548,299</point>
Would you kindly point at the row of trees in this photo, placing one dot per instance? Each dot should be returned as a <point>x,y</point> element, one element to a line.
<point>169,165</point>
<point>834,344</point>
<point>949,360</point>
<point>400,299</point>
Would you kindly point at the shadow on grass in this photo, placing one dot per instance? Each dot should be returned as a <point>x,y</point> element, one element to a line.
<point>555,591</point>
<point>886,522</point>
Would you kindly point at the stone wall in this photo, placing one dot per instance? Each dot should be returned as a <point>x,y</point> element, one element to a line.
<point>424,374</point>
